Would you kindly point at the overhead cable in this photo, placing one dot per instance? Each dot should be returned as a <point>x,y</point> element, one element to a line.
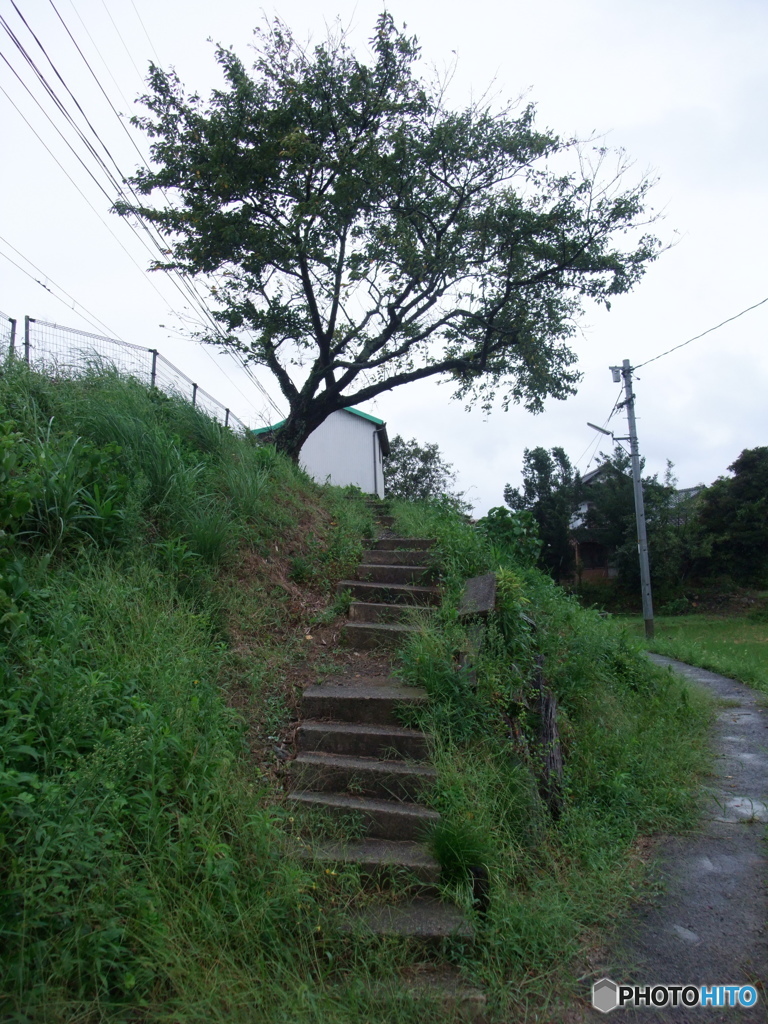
<point>749,309</point>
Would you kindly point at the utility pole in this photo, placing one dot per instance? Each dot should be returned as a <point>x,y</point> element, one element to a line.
<point>625,371</point>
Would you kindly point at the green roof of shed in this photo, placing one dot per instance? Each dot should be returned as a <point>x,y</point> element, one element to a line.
<point>355,412</point>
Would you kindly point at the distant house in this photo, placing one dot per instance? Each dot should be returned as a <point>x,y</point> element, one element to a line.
<point>593,559</point>
<point>347,448</point>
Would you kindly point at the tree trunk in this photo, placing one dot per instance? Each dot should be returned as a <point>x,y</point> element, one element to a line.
<point>294,431</point>
<point>550,755</point>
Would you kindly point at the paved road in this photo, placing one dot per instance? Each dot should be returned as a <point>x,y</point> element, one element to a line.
<point>709,926</point>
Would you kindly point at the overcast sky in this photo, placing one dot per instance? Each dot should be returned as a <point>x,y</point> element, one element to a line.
<point>682,85</point>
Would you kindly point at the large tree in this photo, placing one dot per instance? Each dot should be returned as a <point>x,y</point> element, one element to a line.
<point>550,492</point>
<point>420,473</point>
<point>369,236</point>
<point>735,514</point>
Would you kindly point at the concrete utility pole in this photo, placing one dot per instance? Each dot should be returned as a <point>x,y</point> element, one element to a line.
<point>625,371</point>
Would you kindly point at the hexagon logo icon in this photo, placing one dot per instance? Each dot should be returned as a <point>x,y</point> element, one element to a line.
<point>605,995</point>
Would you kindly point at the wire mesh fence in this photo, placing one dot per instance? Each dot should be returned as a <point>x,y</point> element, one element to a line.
<point>7,335</point>
<point>56,350</point>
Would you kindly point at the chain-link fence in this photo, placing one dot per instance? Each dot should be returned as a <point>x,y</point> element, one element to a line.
<point>53,349</point>
<point>7,335</point>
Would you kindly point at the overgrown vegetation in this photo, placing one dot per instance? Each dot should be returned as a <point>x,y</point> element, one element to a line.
<point>157,578</point>
<point>710,541</point>
<point>632,742</point>
<point>141,846</point>
<point>735,646</point>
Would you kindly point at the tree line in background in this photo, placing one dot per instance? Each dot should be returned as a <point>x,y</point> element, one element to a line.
<point>579,528</point>
<point>714,536</point>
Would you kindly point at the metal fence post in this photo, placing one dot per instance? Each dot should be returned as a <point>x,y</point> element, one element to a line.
<point>154,366</point>
<point>226,417</point>
<point>27,345</point>
<point>13,337</point>
<point>194,395</point>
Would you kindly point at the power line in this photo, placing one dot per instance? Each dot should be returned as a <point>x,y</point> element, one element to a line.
<point>120,37</point>
<point>95,322</point>
<point>144,27</point>
<point>593,444</point>
<point>114,183</point>
<point>708,331</point>
<point>183,284</point>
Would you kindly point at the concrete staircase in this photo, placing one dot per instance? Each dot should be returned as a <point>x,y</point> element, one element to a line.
<point>355,756</point>
<point>394,586</point>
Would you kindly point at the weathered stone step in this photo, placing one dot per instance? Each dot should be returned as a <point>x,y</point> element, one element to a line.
<point>383,819</point>
<point>429,920</point>
<point>386,521</point>
<point>356,739</point>
<point>443,985</point>
<point>379,858</point>
<point>391,593</point>
<point>403,543</point>
<point>365,636</point>
<point>396,556</point>
<point>365,776</point>
<point>371,699</point>
<point>419,574</point>
<point>372,611</point>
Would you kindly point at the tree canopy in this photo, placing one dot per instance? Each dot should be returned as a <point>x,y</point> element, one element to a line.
<point>359,235</point>
<point>735,514</point>
<point>419,473</point>
<point>550,492</point>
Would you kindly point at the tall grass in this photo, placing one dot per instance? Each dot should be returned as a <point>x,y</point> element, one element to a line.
<point>154,567</point>
<point>735,646</point>
<point>143,856</point>
<point>633,740</point>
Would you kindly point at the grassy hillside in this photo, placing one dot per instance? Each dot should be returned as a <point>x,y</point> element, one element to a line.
<point>734,645</point>
<point>158,578</point>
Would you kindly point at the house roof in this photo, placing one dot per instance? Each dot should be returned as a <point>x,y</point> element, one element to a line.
<point>380,425</point>
<point>589,478</point>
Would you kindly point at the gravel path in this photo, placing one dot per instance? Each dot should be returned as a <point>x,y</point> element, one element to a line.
<point>710,924</point>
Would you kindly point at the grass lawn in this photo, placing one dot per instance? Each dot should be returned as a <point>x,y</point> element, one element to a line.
<point>735,646</point>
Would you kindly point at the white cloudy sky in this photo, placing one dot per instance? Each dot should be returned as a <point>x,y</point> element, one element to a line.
<point>682,85</point>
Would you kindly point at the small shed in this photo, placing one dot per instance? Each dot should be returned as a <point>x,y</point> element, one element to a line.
<point>347,448</point>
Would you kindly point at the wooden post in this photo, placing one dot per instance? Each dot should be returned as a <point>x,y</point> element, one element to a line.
<point>550,754</point>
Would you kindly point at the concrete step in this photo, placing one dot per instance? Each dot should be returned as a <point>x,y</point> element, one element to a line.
<point>383,819</point>
<point>363,776</point>
<point>368,699</point>
<point>372,611</point>
<point>366,636</point>
<point>391,593</point>
<point>403,543</point>
<point>396,556</point>
<point>418,574</point>
<point>357,740</point>
<point>428,920</point>
<point>383,858</point>
<point>444,985</point>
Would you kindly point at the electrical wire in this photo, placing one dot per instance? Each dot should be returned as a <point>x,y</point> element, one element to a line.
<point>96,323</point>
<point>181,281</point>
<point>593,444</point>
<point>158,243</point>
<point>120,37</point>
<point>144,27</point>
<point>58,286</point>
<point>708,331</point>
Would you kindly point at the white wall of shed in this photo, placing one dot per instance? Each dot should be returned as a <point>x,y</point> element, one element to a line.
<point>345,450</point>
